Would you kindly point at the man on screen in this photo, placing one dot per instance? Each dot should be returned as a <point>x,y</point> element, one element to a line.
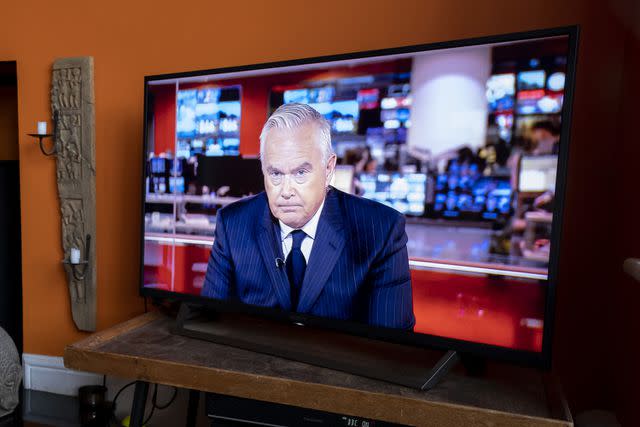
<point>306,247</point>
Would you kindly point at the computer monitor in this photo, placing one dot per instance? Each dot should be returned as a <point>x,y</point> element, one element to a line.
<point>176,184</point>
<point>537,173</point>
<point>159,166</point>
<point>343,178</point>
<point>406,193</point>
<point>243,176</point>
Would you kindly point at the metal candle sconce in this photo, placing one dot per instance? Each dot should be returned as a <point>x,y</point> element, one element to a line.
<point>77,265</point>
<point>42,136</point>
<point>73,135</point>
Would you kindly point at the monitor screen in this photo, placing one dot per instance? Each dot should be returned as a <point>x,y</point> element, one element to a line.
<point>296,95</point>
<point>537,173</point>
<point>422,231</point>
<point>500,91</point>
<point>229,175</point>
<point>205,115</point>
<point>531,80</point>
<point>343,178</point>
<point>159,165</point>
<point>176,184</point>
<point>403,192</point>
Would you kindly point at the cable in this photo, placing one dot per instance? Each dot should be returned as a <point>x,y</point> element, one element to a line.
<point>113,418</point>
<point>165,406</point>
<point>120,391</point>
<point>154,401</point>
<point>155,405</point>
<point>104,381</point>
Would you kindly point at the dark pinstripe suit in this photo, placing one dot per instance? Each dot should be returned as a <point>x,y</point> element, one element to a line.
<point>358,268</point>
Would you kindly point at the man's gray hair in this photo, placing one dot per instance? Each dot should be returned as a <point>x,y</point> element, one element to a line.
<point>294,115</point>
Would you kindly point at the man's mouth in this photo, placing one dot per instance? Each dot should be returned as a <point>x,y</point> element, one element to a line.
<point>288,207</point>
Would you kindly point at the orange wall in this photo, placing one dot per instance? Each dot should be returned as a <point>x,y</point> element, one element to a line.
<point>131,39</point>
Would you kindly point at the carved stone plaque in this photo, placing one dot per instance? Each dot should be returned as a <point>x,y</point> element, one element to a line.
<point>72,106</point>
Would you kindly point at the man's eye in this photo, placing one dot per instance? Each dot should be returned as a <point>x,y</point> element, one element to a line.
<point>302,172</point>
<point>275,174</point>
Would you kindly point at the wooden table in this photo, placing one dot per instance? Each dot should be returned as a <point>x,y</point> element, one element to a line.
<point>145,350</point>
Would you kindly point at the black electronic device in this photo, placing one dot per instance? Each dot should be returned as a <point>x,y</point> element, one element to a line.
<point>235,411</point>
<point>243,176</point>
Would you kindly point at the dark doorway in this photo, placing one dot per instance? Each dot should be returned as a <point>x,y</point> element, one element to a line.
<point>10,236</point>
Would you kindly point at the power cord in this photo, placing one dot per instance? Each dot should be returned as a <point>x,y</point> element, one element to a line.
<point>155,405</point>
<point>154,401</point>
<point>112,416</point>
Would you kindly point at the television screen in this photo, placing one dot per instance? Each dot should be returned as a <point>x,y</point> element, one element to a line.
<point>424,236</point>
<point>296,95</point>
<point>368,98</point>
<point>555,82</point>
<point>537,173</point>
<point>343,178</point>
<point>403,192</point>
<point>531,80</point>
<point>203,116</point>
<point>500,92</point>
<point>186,116</point>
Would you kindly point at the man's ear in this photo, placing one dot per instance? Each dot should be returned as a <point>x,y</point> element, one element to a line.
<point>331,167</point>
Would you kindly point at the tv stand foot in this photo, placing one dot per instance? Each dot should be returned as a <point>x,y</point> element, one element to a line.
<point>444,365</point>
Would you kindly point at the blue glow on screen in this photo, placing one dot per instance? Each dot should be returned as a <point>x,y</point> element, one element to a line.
<point>186,120</point>
<point>346,108</point>
<point>296,95</point>
<point>230,108</point>
<point>531,80</point>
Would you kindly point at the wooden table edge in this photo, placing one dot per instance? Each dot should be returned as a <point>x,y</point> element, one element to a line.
<point>83,356</point>
<point>98,338</point>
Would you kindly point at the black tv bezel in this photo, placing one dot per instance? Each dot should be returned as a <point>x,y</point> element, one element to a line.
<point>540,359</point>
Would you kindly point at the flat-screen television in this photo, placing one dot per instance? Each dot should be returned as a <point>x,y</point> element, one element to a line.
<point>437,241</point>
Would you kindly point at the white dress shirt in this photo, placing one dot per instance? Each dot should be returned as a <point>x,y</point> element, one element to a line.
<point>310,230</point>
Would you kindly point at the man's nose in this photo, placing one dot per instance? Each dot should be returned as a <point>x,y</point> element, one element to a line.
<point>287,188</point>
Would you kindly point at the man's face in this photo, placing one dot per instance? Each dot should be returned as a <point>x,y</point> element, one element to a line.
<point>295,177</point>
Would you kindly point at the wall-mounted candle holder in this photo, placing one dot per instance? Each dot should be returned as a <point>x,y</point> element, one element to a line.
<point>79,267</point>
<point>42,135</point>
<point>73,114</point>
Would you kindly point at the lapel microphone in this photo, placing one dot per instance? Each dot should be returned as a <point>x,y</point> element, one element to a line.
<point>279,262</point>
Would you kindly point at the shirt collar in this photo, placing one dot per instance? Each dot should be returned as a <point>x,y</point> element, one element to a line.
<point>309,228</point>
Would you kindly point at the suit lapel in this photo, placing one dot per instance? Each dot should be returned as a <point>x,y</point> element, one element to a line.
<point>270,249</point>
<point>326,250</point>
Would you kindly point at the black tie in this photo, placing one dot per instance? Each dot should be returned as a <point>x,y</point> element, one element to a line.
<point>296,266</point>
